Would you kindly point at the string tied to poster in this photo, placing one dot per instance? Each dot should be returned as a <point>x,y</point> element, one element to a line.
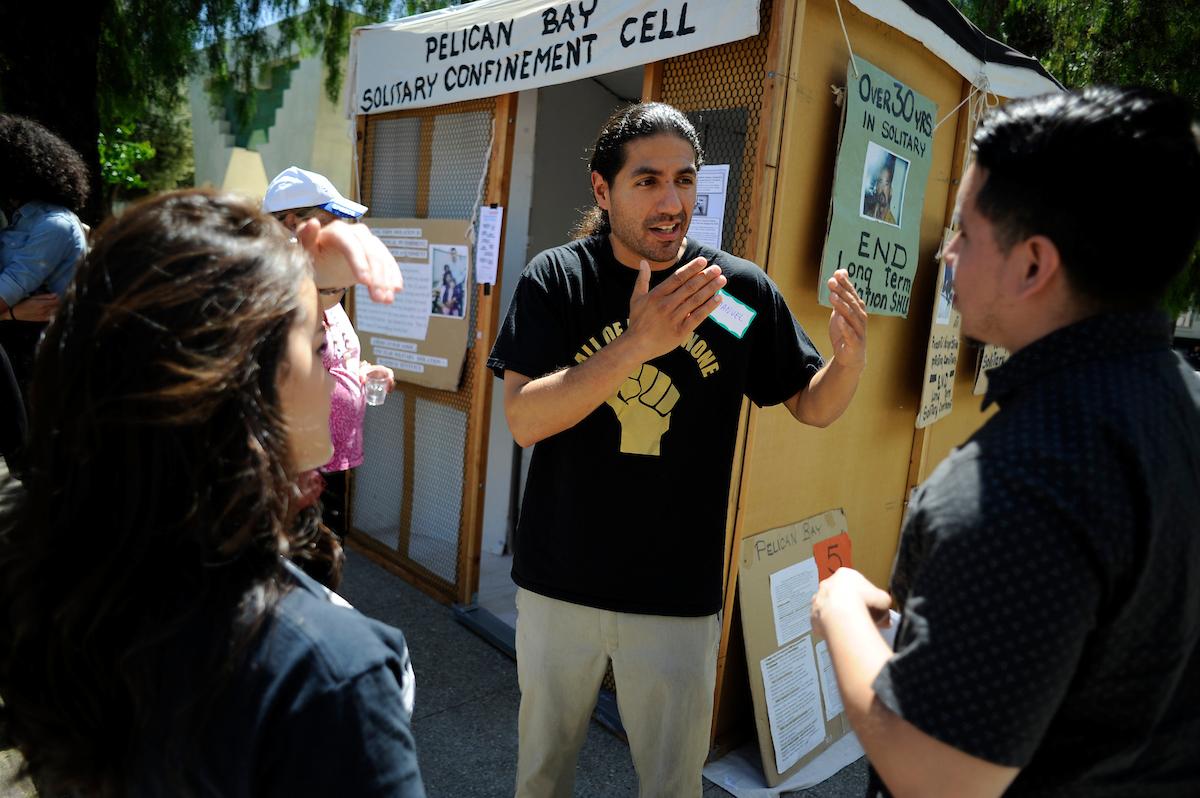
<point>853,65</point>
<point>954,110</point>
<point>978,101</point>
<point>986,99</point>
<point>980,86</point>
<point>479,192</point>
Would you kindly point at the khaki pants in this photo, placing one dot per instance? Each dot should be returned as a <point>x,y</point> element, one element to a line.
<point>665,669</point>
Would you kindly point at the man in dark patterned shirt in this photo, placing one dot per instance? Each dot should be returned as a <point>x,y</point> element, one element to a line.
<point>1049,569</point>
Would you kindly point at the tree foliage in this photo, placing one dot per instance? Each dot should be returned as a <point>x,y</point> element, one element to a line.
<point>1120,42</point>
<point>149,47</point>
<point>1152,43</point>
<point>235,57</point>
<point>120,156</point>
<point>169,127</point>
<point>151,154</point>
<point>123,60</point>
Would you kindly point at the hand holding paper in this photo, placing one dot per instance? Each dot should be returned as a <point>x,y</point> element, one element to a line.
<point>848,592</point>
<point>349,254</point>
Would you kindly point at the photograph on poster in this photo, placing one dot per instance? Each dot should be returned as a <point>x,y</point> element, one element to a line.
<point>884,176</point>
<point>449,274</point>
<point>946,295</point>
<point>701,208</point>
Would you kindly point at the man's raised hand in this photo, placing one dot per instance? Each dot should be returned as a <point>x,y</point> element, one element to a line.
<point>848,322</point>
<point>661,319</point>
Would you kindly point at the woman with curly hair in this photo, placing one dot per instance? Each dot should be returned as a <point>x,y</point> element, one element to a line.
<point>154,640</point>
<point>43,184</point>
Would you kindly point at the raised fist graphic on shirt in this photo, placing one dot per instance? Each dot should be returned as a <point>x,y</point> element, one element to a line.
<point>643,406</point>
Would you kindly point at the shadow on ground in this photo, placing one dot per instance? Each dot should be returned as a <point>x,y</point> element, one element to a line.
<point>465,719</point>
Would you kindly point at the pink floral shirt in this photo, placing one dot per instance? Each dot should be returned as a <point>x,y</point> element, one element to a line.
<point>341,359</point>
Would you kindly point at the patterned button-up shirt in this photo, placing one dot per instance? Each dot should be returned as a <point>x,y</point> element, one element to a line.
<point>1049,572</point>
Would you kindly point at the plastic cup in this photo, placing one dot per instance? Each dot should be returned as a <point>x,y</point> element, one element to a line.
<point>376,390</point>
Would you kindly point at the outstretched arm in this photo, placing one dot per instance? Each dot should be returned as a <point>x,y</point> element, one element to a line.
<point>829,392</point>
<point>846,611</point>
<point>349,254</point>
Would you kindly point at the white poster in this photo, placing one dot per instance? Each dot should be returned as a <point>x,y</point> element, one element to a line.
<point>708,217</point>
<point>487,245</point>
<point>408,315</point>
<point>989,358</point>
<point>403,356</point>
<point>941,359</point>
<point>484,49</point>
<point>397,232</point>
<point>792,589</point>
<point>829,685</point>
<point>793,702</point>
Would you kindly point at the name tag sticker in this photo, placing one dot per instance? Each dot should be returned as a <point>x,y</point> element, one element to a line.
<point>733,314</point>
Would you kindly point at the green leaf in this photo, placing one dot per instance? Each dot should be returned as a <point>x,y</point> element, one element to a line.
<point>120,157</point>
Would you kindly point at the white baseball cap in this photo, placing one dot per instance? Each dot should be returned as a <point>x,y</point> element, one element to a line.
<point>298,188</point>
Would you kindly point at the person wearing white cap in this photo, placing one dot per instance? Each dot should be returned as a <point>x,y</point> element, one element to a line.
<point>295,189</point>
<point>294,197</point>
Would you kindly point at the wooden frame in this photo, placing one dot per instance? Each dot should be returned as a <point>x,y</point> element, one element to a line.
<point>726,719</point>
<point>466,582</point>
<point>475,461</point>
<point>652,82</point>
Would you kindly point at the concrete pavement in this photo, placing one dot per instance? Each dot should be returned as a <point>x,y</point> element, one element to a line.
<point>465,719</point>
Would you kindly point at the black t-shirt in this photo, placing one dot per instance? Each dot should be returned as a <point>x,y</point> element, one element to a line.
<point>1049,572</point>
<point>321,706</point>
<point>626,510</point>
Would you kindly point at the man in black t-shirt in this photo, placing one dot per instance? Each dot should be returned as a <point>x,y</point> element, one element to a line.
<point>628,371</point>
<point>1049,569</point>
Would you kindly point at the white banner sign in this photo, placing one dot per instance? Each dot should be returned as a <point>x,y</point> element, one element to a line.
<point>494,47</point>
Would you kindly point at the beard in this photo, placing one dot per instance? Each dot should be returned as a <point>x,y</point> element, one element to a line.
<point>636,236</point>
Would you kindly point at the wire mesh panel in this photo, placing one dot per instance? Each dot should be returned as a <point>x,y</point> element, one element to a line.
<point>438,487</point>
<point>721,91</point>
<point>722,134</point>
<point>398,168</point>
<point>376,509</point>
<point>461,145</point>
<point>409,495</point>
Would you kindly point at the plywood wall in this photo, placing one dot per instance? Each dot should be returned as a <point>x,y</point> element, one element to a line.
<point>861,463</point>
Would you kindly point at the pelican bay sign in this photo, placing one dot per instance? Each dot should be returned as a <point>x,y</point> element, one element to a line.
<point>494,47</point>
